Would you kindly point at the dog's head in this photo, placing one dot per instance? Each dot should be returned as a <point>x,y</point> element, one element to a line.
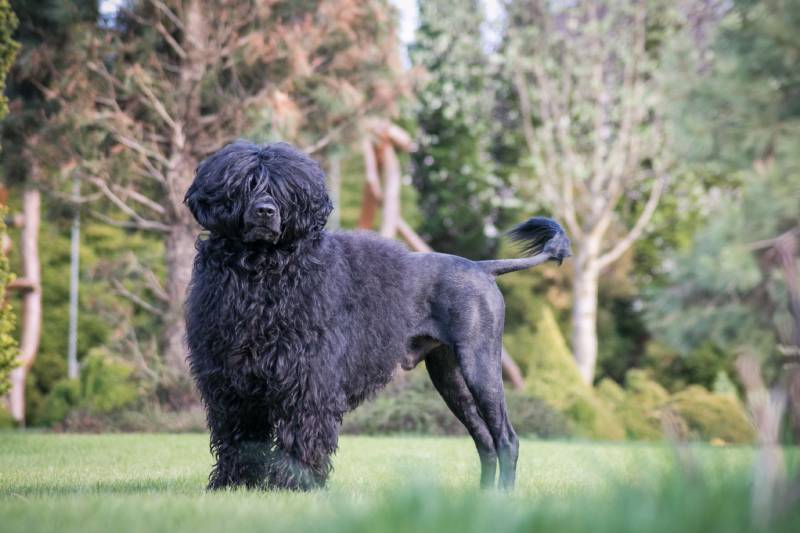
<point>251,193</point>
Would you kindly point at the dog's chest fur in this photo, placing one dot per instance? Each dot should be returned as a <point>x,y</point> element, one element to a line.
<point>257,303</point>
<point>331,317</point>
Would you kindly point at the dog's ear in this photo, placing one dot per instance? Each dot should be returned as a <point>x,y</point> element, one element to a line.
<point>198,205</point>
<point>319,209</point>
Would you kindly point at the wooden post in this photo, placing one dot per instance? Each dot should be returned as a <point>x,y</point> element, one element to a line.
<point>335,187</point>
<point>74,281</point>
<point>372,186</point>
<point>31,303</point>
<point>391,190</point>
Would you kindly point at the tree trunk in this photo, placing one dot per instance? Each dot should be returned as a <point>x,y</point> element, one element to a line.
<point>179,256</point>
<point>183,231</point>
<point>31,303</point>
<point>391,190</point>
<point>584,309</point>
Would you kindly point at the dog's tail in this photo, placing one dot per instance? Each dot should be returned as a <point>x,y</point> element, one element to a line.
<point>542,239</point>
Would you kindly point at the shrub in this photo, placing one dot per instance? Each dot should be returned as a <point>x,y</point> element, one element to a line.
<point>64,397</point>
<point>8,343</point>
<point>105,386</point>
<point>553,376</point>
<point>5,419</point>
<point>639,406</point>
<point>412,405</point>
<point>532,416</point>
<point>148,419</point>
<point>710,415</point>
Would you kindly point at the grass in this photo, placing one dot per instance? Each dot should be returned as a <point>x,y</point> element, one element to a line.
<point>156,483</point>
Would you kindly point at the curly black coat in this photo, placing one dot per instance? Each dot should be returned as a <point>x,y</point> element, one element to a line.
<point>291,326</point>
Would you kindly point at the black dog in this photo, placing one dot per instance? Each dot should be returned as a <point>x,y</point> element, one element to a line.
<point>290,326</point>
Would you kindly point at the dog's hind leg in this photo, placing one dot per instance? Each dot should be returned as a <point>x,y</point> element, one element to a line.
<point>479,363</point>
<point>447,378</point>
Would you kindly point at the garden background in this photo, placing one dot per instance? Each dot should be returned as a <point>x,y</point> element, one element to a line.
<point>663,135</point>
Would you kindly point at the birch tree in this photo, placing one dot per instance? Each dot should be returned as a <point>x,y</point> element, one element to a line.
<point>588,99</point>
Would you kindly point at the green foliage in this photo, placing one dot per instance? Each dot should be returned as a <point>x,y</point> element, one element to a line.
<point>642,405</point>
<point>47,32</point>
<point>534,417</point>
<point>8,49</point>
<point>701,366</point>
<point>638,406</point>
<point>710,415</point>
<point>737,118</point>
<point>105,319</point>
<point>6,420</point>
<point>724,385</point>
<point>8,342</point>
<point>64,396</point>
<point>412,405</point>
<point>553,376</point>
<point>452,169</point>
<point>105,386</point>
<point>720,268</point>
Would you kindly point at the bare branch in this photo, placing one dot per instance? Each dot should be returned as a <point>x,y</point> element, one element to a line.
<point>154,284</point>
<point>638,228</point>
<point>139,148</point>
<point>550,175</point>
<point>154,102</point>
<point>135,298</point>
<point>769,243</point>
<point>623,155</point>
<point>140,221</point>
<point>142,199</point>
<point>171,40</point>
<point>169,13</point>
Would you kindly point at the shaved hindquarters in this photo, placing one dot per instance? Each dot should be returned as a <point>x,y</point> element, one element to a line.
<point>480,366</point>
<point>446,376</point>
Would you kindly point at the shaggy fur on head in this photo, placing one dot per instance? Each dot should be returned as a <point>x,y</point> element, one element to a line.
<point>291,326</point>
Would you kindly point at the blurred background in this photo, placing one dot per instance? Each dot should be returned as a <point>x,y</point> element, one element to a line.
<point>664,136</point>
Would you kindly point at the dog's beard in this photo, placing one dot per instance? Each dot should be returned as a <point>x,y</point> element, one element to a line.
<point>261,233</point>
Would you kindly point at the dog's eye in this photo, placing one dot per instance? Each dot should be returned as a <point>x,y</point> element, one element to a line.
<point>253,183</point>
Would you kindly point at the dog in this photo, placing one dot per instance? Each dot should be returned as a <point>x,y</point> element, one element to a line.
<point>290,326</point>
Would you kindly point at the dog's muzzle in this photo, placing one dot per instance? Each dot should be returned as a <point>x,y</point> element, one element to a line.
<point>262,222</point>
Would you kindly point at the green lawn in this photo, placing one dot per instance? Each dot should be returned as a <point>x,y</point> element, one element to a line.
<point>51,482</point>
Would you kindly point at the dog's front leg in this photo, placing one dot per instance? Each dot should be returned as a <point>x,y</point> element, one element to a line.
<point>241,441</point>
<point>303,447</point>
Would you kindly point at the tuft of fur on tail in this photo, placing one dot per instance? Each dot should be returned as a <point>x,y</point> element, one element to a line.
<point>533,234</point>
<point>540,238</point>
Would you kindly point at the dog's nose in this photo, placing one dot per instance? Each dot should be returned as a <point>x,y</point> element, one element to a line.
<point>264,210</point>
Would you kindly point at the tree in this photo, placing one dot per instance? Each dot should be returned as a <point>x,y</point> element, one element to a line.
<point>8,344</point>
<point>588,98</point>
<point>735,284</point>
<point>452,169</point>
<point>171,81</point>
<point>32,140</point>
